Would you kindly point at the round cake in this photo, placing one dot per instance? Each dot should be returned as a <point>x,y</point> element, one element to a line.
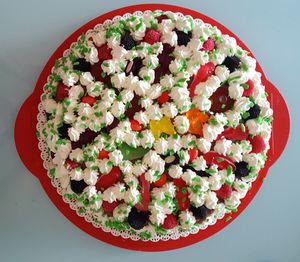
<point>154,125</point>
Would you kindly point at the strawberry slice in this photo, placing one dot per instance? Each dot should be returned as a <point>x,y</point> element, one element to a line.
<point>160,182</point>
<point>109,207</point>
<point>234,133</point>
<point>105,181</point>
<point>258,144</point>
<point>103,154</point>
<point>224,192</point>
<point>135,125</point>
<point>89,100</point>
<point>145,194</point>
<point>250,90</point>
<point>193,152</point>
<point>61,92</point>
<point>163,98</point>
<point>70,165</point>
<point>213,158</point>
<point>203,74</point>
<point>170,222</point>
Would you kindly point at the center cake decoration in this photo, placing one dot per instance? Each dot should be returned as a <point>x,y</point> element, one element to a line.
<point>154,125</point>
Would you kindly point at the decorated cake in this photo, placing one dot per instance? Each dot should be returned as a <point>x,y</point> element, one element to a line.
<point>154,125</point>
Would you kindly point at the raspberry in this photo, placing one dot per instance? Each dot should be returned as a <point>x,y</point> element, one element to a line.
<point>232,63</point>
<point>107,180</point>
<point>258,144</point>
<point>183,38</point>
<point>109,207</point>
<point>254,112</point>
<point>224,192</point>
<point>78,186</point>
<point>199,212</point>
<point>82,65</point>
<point>160,182</point>
<point>163,98</point>
<point>135,125</point>
<point>88,100</point>
<point>208,45</point>
<point>193,152</point>
<point>241,169</point>
<point>61,92</point>
<point>170,222</point>
<point>152,36</point>
<point>104,53</point>
<point>249,91</point>
<point>127,41</point>
<point>63,131</point>
<point>137,219</point>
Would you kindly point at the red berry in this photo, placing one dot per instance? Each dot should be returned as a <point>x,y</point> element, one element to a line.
<point>258,144</point>
<point>183,203</point>
<point>160,182</point>
<point>104,53</point>
<point>70,165</point>
<point>152,36</point>
<point>170,222</point>
<point>61,92</point>
<point>161,17</point>
<point>221,102</point>
<point>234,133</point>
<point>135,125</point>
<point>224,192</point>
<point>193,152</point>
<point>179,182</point>
<point>89,100</point>
<point>103,154</point>
<point>213,158</point>
<point>249,91</point>
<point>203,73</point>
<point>163,98</point>
<point>208,45</point>
<point>145,194</point>
<point>107,180</point>
<point>109,207</point>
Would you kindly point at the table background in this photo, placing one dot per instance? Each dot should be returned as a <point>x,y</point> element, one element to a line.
<point>31,229</point>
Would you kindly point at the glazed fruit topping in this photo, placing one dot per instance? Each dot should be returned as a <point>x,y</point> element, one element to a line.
<point>221,102</point>
<point>163,98</point>
<point>248,88</point>
<point>170,222</point>
<point>152,36</point>
<point>88,100</point>
<point>253,112</point>
<point>241,169</point>
<point>103,154</point>
<point>82,65</point>
<point>161,181</point>
<point>224,192</point>
<point>196,119</point>
<point>258,144</point>
<point>104,53</point>
<point>62,92</point>
<point>199,212</point>
<point>237,133</point>
<point>85,138</point>
<point>208,45</point>
<point>63,131</point>
<point>232,63</point>
<point>70,165</point>
<point>107,180</point>
<point>109,207</point>
<point>193,153</point>
<point>134,66</point>
<point>135,125</point>
<point>145,194</point>
<point>213,158</point>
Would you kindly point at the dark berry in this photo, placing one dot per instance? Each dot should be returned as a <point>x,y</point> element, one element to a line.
<point>199,212</point>
<point>134,66</point>
<point>168,49</point>
<point>202,173</point>
<point>241,169</point>
<point>254,112</point>
<point>63,131</point>
<point>78,186</point>
<point>82,65</point>
<point>85,138</point>
<point>183,38</point>
<point>232,63</point>
<point>137,219</point>
<point>221,101</point>
<point>171,160</point>
<point>127,41</point>
<point>135,107</point>
<point>188,167</point>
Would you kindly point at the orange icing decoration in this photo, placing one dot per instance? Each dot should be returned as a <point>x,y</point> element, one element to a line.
<point>197,118</point>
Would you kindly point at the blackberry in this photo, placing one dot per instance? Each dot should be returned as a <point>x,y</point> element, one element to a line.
<point>134,66</point>
<point>183,38</point>
<point>137,219</point>
<point>78,186</point>
<point>232,63</point>
<point>199,212</point>
<point>241,169</point>
<point>63,131</point>
<point>127,41</point>
<point>254,112</point>
<point>171,160</point>
<point>82,65</point>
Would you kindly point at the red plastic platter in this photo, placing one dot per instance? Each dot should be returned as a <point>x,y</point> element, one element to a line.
<point>27,143</point>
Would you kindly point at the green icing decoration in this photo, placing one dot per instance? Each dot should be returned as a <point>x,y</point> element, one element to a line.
<point>131,153</point>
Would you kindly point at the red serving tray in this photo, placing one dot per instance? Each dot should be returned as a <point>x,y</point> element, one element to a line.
<point>27,143</point>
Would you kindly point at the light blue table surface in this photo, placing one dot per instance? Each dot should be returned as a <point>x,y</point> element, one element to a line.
<point>31,228</point>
